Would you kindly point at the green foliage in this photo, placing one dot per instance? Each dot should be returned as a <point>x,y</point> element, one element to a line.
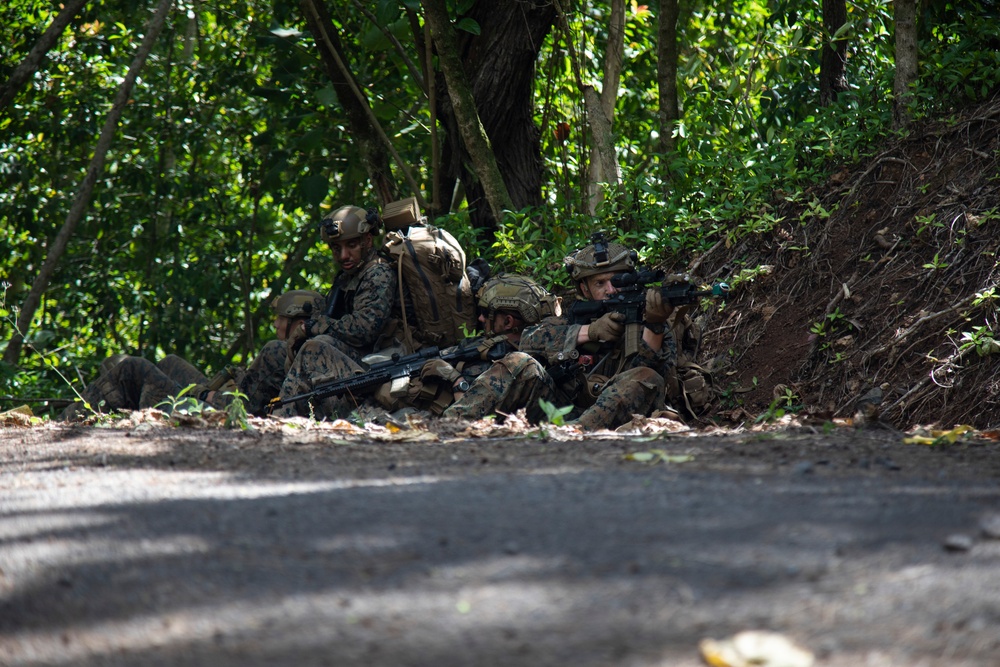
<point>234,143</point>
<point>981,339</point>
<point>182,404</point>
<point>554,415</point>
<point>236,411</point>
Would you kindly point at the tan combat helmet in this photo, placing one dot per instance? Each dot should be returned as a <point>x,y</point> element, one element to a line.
<point>520,295</point>
<point>599,257</point>
<point>348,222</point>
<point>299,303</point>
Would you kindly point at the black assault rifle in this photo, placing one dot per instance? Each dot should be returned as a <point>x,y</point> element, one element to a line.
<point>630,299</point>
<point>398,367</point>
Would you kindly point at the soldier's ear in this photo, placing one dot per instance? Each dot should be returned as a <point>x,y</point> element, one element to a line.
<point>510,323</point>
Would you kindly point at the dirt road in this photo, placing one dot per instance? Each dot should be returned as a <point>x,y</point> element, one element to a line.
<point>302,547</point>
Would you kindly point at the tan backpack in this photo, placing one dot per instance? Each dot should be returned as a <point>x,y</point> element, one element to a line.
<point>430,270</point>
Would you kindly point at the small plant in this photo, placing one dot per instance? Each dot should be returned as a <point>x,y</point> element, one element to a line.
<point>773,413</point>
<point>236,411</point>
<point>554,415</point>
<point>986,296</point>
<point>936,264</point>
<point>980,338</point>
<point>182,404</point>
<point>925,222</point>
<point>827,324</point>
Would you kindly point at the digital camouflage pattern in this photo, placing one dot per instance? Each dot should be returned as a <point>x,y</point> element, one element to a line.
<point>132,383</point>
<point>604,396</point>
<point>319,360</point>
<point>135,383</point>
<point>368,297</point>
<point>515,381</point>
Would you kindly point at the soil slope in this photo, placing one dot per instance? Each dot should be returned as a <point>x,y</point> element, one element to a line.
<point>875,278</point>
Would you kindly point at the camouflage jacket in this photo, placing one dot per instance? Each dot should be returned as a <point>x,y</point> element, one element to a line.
<point>553,343</point>
<point>365,299</point>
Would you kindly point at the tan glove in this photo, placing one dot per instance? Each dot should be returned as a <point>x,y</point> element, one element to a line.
<point>439,368</point>
<point>657,311</point>
<point>608,328</point>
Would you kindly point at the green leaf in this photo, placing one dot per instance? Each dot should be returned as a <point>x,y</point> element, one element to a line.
<point>469,25</point>
<point>314,187</point>
<point>327,96</point>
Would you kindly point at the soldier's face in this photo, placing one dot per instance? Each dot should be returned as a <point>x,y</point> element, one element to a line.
<point>348,254</point>
<point>599,287</point>
<point>283,325</point>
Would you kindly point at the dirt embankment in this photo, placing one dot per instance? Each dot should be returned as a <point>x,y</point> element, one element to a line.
<point>882,276</point>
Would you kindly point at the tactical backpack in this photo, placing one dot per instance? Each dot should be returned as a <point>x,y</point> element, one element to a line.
<point>690,388</point>
<point>437,303</point>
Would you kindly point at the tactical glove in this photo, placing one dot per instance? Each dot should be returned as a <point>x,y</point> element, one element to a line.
<point>609,328</point>
<point>439,368</point>
<point>657,311</point>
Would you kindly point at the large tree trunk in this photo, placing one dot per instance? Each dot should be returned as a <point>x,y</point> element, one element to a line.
<point>666,76</point>
<point>833,61</point>
<point>83,195</point>
<point>30,65</point>
<point>604,166</point>
<point>373,147</point>
<point>463,104</point>
<point>500,67</point>
<point>906,60</point>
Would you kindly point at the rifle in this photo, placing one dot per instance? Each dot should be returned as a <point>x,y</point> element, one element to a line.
<point>399,367</point>
<point>631,296</point>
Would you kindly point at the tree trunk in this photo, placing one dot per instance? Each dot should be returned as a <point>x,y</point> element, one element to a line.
<point>604,166</point>
<point>906,60</point>
<point>500,66</point>
<point>374,149</point>
<point>30,65</point>
<point>463,104</point>
<point>833,61</point>
<point>666,76</point>
<point>83,195</point>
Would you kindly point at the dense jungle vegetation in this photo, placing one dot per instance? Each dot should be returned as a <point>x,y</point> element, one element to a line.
<point>155,203</point>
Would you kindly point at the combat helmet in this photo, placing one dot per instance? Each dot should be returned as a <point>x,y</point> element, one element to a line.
<point>518,294</point>
<point>601,256</point>
<point>348,222</point>
<point>299,303</point>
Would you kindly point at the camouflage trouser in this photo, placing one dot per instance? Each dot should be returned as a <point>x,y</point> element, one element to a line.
<point>515,381</point>
<point>262,380</point>
<point>133,384</point>
<point>635,391</point>
<point>519,381</point>
<point>319,359</point>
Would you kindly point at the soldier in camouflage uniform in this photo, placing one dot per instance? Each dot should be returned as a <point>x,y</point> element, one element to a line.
<point>357,318</point>
<point>508,305</point>
<point>134,383</point>
<point>363,297</point>
<point>608,371</point>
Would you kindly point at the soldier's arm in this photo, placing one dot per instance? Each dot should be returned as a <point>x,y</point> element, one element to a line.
<point>372,307</point>
<point>553,340</point>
